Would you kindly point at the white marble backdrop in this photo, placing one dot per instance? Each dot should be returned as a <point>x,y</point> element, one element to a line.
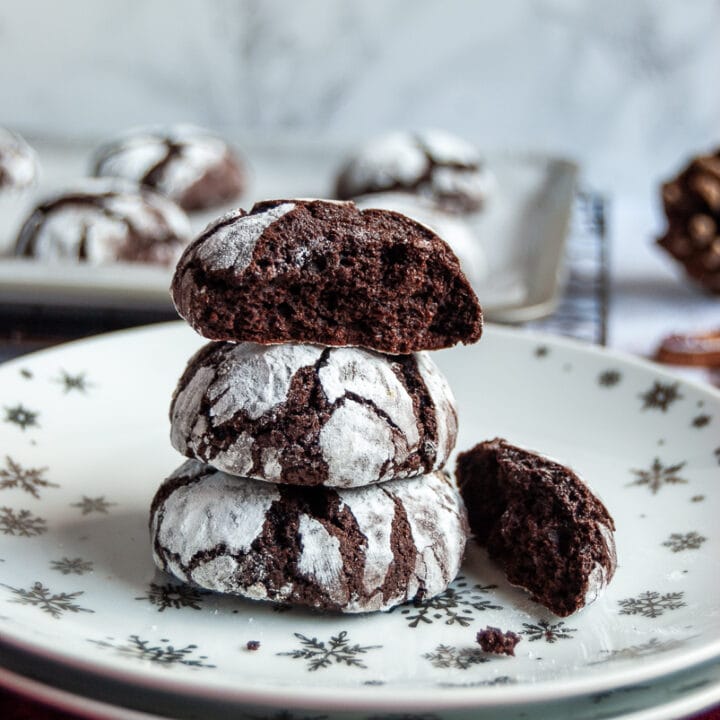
<point>629,87</point>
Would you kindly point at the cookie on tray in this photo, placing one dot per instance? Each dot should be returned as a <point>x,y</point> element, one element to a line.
<point>309,415</point>
<point>433,163</point>
<point>540,522</point>
<point>343,550</point>
<point>325,272</point>
<point>192,166</point>
<point>104,221</point>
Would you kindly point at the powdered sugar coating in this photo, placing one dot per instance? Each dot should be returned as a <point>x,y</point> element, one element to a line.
<point>432,163</point>
<point>357,371</point>
<point>102,221</point>
<point>343,417</point>
<point>355,443</point>
<point>320,559</point>
<point>220,532</point>
<point>217,511</point>
<point>18,162</point>
<point>451,228</point>
<point>230,245</point>
<point>172,160</point>
<point>443,402</point>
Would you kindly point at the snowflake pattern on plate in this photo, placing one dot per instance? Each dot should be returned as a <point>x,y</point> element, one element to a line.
<point>322,653</point>
<point>72,566</point>
<point>93,505</point>
<point>658,475</point>
<point>455,605</point>
<point>547,631</point>
<point>661,396</point>
<point>22,417</point>
<point>448,656</point>
<point>678,542</point>
<point>632,652</point>
<point>70,382</point>
<point>609,378</point>
<point>652,604</point>
<point>166,655</point>
<point>21,523</point>
<point>55,604</point>
<point>14,475</point>
<point>173,595</point>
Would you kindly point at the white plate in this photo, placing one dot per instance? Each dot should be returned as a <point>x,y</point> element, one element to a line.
<point>94,413</point>
<point>522,231</point>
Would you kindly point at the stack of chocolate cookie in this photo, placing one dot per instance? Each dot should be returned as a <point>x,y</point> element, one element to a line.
<point>316,427</point>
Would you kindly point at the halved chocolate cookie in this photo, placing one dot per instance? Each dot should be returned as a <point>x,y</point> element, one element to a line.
<point>308,415</point>
<point>540,521</point>
<point>315,271</point>
<point>343,550</point>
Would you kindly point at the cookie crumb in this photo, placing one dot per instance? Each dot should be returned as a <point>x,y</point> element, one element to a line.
<point>494,640</point>
<point>253,645</point>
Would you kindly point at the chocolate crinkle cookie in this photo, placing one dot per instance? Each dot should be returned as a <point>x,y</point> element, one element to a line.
<point>692,207</point>
<point>192,166</point>
<point>344,550</point>
<point>18,162</point>
<point>310,415</point>
<point>323,272</point>
<point>431,163</point>
<point>540,522</point>
<point>494,640</point>
<point>103,221</point>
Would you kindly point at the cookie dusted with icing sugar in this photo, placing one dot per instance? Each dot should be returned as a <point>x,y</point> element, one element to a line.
<point>104,221</point>
<point>351,551</point>
<point>188,164</point>
<point>540,521</point>
<point>18,162</point>
<point>431,163</point>
<point>324,272</point>
<point>308,415</point>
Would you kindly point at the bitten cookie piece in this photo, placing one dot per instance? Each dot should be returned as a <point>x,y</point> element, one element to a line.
<point>538,519</point>
<point>103,221</point>
<point>432,163</point>
<point>188,164</point>
<point>316,271</point>
<point>344,550</point>
<point>692,207</point>
<point>308,415</point>
<point>18,162</point>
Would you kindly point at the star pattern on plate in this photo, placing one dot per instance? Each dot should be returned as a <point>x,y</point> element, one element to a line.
<point>661,396</point>
<point>93,505</point>
<point>21,416</point>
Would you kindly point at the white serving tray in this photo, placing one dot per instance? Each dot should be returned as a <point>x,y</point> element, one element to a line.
<point>522,231</point>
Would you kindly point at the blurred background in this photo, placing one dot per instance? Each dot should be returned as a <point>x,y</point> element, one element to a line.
<point>624,87</point>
